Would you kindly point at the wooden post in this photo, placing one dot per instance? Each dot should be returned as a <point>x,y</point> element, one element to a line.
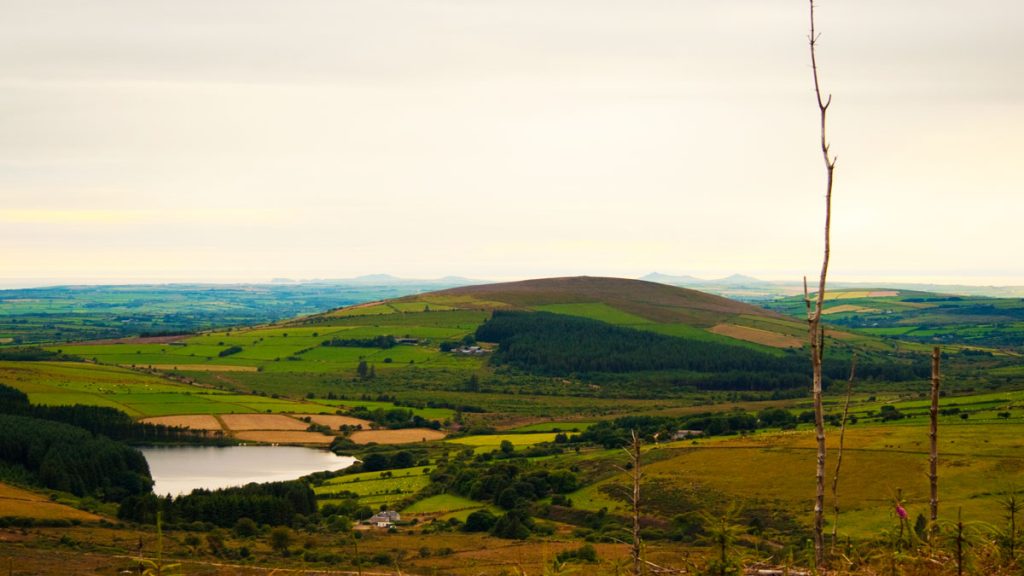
<point>933,460</point>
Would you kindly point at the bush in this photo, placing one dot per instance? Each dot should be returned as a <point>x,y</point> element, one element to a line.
<point>585,553</point>
<point>246,528</point>
<point>280,539</point>
<point>480,521</point>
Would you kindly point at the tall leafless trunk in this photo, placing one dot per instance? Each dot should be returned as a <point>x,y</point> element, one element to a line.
<point>815,331</point>
<point>839,452</point>
<point>933,460</point>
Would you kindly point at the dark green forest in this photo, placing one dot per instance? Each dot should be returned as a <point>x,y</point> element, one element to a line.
<point>67,458</point>
<point>560,345</point>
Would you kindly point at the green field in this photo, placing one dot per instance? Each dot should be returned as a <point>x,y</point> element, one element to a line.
<point>375,488</point>
<point>595,311</point>
<point>446,506</point>
<point>138,394</point>
<point>491,441</point>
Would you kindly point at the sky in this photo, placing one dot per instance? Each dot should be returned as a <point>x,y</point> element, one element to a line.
<point>243,140</point>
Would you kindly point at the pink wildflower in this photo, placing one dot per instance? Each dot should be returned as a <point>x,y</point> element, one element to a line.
<point>901,512</point>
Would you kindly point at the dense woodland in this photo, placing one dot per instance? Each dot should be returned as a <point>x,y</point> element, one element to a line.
<point>70,459</point>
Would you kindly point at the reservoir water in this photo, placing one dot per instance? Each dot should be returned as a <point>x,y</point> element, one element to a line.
<point>178,470</point>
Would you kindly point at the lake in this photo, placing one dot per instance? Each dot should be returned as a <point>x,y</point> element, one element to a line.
<point>180,469</point>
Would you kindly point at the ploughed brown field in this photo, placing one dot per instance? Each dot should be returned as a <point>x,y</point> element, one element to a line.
<point>284,437</point>
<point>405,436</point>
<point>262,422</point>
<point>193,421</point>
<point>757,336</point>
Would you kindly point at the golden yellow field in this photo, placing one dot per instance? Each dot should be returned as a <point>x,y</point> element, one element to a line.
<point>284,437</point>
<point>405,436</point>
<point>262,422</point>
<point>757,336</point>
<point>25,504</point>
<point>193,421</point>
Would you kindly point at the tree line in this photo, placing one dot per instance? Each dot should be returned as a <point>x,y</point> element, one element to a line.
<point>383,342</point>
<point>103,420</point>
<point>272,503</point>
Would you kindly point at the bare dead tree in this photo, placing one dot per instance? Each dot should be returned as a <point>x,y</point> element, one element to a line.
<point>933,460</point>
<point>815,330</point>
<point>839,452</point>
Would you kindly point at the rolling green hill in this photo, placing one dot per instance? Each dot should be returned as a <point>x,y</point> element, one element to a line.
<point>420,337</point>
<point>637,304</point>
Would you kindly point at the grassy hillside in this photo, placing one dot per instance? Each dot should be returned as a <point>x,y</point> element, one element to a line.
<point>412,344</point>
<point>633,303</point>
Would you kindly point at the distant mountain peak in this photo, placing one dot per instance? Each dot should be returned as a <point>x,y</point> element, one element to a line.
<point>740,279</point>
<point>670,279</point>
<point>377,278</point>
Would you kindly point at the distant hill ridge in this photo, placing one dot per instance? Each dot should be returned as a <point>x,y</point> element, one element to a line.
<point>649,300</point>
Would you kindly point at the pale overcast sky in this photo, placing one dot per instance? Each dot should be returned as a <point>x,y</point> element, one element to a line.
<point>250,139</point>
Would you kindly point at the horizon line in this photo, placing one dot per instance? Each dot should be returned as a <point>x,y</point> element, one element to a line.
<point>980,281</point>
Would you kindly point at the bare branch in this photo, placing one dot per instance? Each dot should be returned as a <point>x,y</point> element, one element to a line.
<point>839,457</point>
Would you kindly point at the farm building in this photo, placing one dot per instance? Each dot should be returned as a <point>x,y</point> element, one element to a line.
<point>684,434</point>
<point>385,519</point>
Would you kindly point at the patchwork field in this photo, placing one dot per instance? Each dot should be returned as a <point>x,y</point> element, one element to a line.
<point>923,317</point>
